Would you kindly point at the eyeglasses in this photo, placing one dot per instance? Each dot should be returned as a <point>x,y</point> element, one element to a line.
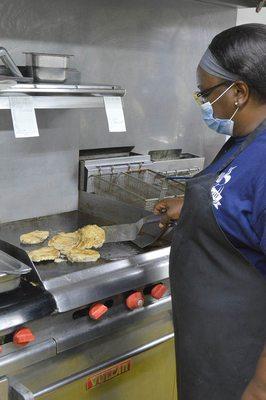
<point>201,97</point>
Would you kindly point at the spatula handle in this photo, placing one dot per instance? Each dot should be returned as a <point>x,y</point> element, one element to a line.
<point>152,219</point>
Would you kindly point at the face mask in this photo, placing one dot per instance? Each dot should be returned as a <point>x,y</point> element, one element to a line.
<point>223,126</point>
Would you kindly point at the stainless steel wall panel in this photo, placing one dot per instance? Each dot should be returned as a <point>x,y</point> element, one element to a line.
<point>39,175</point>
<point>150,47</point>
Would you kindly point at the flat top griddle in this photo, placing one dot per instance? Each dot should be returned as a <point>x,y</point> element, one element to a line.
<point>122,266</point>
<point>64,222</point>
<point>93,209</point>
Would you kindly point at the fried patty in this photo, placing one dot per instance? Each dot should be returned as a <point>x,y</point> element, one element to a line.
<point>35,237</point>
<point>64,242</point>
<point>82,255</point>
<point>91,236</point>
<point>44,254</point>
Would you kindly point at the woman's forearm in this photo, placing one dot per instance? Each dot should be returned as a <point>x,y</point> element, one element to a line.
<point>260,374</point>
<point>256,389</point>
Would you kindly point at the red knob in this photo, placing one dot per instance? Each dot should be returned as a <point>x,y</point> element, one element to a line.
<point>23,337</point>
<point>158,291</point>
<point>135,300</point>
<point>97,311</point>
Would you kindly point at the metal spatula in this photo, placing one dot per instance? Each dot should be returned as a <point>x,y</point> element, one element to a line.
<point>143,232</point>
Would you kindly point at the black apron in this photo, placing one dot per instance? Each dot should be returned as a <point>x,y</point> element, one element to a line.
<point>219,299</point>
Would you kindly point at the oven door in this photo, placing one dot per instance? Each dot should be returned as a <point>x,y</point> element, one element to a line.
<point>137,362</point>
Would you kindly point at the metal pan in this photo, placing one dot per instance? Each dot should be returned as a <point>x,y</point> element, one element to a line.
<point>11,266</point>
<point>54,75</point>
<point>47,60</point>
<point>171,154</point>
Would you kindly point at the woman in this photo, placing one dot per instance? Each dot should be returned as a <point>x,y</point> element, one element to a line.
<point>218,255</point>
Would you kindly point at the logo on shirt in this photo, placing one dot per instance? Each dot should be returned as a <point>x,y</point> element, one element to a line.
<point>219,186</point>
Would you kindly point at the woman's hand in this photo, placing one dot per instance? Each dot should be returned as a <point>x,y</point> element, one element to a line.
<point>255,391</point>
<point>170,209</point>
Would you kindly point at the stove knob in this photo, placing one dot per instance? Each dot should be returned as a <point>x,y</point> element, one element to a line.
<point>23,337</point>
<point>97,311</point>
<point>135,300</point>
<point>158,291</point>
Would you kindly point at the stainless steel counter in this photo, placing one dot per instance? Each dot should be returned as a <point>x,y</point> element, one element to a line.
<point>121,266</point>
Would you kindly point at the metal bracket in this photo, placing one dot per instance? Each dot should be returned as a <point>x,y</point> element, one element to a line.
<point>3,388</point>
<point>17,391</point>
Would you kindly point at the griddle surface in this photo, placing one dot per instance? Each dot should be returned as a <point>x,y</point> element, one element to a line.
<point>64,222</point>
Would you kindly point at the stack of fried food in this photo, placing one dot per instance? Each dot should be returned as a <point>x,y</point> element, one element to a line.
<point>73,246</point>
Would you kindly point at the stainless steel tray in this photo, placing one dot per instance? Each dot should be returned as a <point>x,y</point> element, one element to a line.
<point>48,60</point>
<point>14,262</point>
<point>54,75</point>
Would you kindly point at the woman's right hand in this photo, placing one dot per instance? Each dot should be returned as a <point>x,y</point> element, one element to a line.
<point>170,209</point>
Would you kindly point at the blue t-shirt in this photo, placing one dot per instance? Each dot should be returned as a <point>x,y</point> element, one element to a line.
<point>239,199</point>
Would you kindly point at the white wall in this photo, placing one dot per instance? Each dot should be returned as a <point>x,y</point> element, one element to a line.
<point>249,15</point>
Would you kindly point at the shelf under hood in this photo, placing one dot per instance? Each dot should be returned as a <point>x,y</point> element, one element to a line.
<point>61,96</point>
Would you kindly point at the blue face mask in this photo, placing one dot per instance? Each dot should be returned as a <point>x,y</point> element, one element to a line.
<point>223,126</point>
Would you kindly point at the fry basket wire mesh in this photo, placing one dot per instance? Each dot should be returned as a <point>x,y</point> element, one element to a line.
<point>142,188</point>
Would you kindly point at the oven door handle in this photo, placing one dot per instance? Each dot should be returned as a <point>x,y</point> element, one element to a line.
<point>20,392</point>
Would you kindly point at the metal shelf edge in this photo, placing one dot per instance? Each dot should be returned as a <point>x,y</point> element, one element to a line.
<point>59,102</point>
